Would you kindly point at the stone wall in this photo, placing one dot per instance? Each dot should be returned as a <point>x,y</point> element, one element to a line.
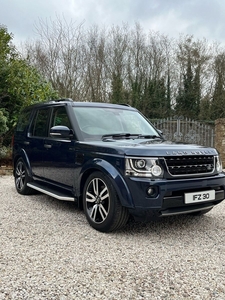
<point>6,167</point>
<point>6,170</point>
<point>220,138</point>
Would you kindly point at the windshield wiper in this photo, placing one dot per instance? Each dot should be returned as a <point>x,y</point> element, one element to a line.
<point>120,135</point>
<point>148,136</point>
<point>128,135</point>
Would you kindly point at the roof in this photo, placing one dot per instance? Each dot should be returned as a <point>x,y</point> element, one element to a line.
<point>78,103</point>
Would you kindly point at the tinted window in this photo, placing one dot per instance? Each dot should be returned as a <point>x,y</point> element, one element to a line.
<point>23,121</point>
<point>40,123</point>
<point>60,117</point>
<point>98,121</point>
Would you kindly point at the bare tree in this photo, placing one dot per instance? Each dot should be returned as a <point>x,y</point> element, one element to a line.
<point>58,55</point>
<point>121,64</point>
<point>95,78</point>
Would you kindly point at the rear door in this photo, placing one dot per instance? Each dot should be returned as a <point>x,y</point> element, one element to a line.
<point>35,142</point>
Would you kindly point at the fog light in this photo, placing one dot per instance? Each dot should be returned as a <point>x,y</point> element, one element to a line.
<point>150,191</point>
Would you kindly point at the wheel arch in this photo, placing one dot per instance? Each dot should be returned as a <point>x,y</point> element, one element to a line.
<point>115,177</point>
<point>22,154</point>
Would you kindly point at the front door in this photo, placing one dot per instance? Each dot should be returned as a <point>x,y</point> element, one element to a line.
<point>59,155</point>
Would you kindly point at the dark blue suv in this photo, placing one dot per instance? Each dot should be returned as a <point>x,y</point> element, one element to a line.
<point>113,162</point>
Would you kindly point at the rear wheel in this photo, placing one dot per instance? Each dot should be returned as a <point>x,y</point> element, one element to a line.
<point>101,204</point>
<point>22,178</point>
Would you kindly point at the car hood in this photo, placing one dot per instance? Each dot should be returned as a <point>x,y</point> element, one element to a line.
<point>146,147</point>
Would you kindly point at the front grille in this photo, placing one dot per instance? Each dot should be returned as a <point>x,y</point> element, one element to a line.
<point>189,165</point>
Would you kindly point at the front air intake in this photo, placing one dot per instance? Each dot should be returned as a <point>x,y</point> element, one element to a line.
<point>190,165</point>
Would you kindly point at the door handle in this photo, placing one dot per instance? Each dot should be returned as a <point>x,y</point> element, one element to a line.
<point>26,143</point>
<point>47,146</point>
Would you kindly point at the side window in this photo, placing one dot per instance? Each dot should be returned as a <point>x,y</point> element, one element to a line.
<point>60,117</point>
<point>40,123</point>
<point>23,121</point>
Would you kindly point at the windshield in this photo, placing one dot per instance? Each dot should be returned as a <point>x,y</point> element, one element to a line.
<point>96,122</point>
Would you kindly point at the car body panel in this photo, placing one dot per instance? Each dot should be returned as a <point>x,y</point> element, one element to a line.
<point>66,163</point>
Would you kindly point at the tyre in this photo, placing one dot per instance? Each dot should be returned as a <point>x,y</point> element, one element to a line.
<point>22,178</point>
<point>101,204</point>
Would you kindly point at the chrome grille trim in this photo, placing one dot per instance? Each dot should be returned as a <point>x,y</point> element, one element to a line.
<point>178,166</point>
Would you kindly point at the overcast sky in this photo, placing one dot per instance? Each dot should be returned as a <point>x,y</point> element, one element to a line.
<point>201,18</point>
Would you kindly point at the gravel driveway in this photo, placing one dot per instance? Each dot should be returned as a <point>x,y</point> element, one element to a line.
<point>48,251</point>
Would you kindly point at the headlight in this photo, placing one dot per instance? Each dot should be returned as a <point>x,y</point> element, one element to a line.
<point>219,167</point>
<point>143,167</point>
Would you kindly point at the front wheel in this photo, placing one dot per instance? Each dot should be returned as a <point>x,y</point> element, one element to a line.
<point>22,178</point>
<point>102,207</point>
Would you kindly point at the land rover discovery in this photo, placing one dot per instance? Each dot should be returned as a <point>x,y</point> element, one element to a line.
<point>113,162</point>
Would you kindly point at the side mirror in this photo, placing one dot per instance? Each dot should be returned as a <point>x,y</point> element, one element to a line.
<point>61,132</point>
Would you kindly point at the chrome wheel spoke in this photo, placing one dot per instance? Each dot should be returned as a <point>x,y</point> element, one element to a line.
<point>104,191</point>
<point>95,186</point>
<point>97,200</point>
<point>19,182</point>
<point>103,212</point>
<point>90,197</point>
<point>17,172</point>
<point>93,212</point>
<point>20,176</point>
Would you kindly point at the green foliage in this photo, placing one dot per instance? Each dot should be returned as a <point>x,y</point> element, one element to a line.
<point>117,94</point>
<point>26,87</point>
<point>5,153</point>
<point>7,50</point>
<point>194,60</point>
<point>154,101</point>
<point>205,109</point>
<point>152,97</point>
<point>218,99</point>
<point>3,122</point>
<point>136,92</point>
<point>188,98</point>
<point>20,84</point>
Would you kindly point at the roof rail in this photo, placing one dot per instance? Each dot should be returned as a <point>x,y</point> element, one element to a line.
<point>59,100</point>
<point>62,99</point>
<point>124,104</point>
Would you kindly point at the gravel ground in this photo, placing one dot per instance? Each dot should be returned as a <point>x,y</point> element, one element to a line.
<point>48,251</point>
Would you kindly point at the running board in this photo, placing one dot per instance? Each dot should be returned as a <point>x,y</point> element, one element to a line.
<point>55,193</point>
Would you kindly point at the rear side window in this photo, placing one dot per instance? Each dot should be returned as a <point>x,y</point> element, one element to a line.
<point>39,126</point>
<point>23,121</point>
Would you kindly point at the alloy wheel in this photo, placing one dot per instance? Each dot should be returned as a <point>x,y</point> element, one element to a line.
<point>20,175</point>
<point>97,200</point>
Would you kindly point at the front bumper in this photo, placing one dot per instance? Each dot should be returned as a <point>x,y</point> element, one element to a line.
<point>170,196</point>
